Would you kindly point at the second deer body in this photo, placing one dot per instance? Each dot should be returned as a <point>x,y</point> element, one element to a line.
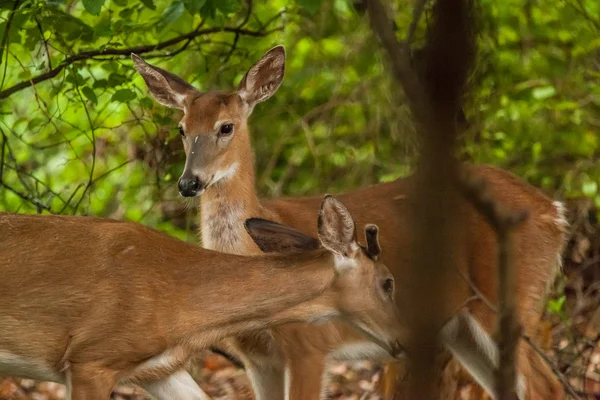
<point>219,168</point>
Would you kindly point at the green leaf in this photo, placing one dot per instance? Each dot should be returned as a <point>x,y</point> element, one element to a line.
<point>115,79</point>
<point>228,6</point>
<point>123,95</point>
<point>35,122</point>
<point>7,4</point>
<point>193,6</point>
<point>122,3</point>
<point>171,14</point>
<point>76,78</point>
<point>93,6</point>
<point>100,84</point>
<point>146,102</point>
<point>590,188</point>
<point>543,92</point>
<point>556,306</point>
<point>312,6</point>
<point>149,4</point>
<point>89,94</point>
<point>208,10</point>
<point>126,13</point>
<point>103,28</point>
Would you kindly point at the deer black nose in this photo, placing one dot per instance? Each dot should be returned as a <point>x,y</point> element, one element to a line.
<point>189,187</point>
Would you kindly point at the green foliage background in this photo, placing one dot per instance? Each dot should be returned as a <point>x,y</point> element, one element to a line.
<point>89,140</point>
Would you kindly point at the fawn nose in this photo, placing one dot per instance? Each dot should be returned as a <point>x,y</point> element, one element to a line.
<point>189,186</point>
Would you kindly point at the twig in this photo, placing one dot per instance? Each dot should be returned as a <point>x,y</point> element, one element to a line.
<point>93,141</point>
<point>416,17</point>
<point>39,25</point>
<point>556,371</point>
<point>4,139</point>
<point>39,205</point>
<point>477,292</point>
<point>5,40</point>
<point>400,60</point>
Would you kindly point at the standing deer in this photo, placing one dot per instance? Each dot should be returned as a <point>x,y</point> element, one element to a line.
<point>289,361</point>
<point>90,302</point>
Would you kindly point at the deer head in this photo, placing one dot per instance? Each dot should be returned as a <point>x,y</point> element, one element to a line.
<point>363,288</point>
<point>214,125</point>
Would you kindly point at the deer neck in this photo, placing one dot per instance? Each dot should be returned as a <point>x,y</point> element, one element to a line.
<point>248,293</point>
<point>226,205</point>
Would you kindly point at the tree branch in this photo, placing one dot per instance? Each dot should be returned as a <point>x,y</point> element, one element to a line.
<point>503,222</point>
<point>434,97</point>
<point>86,55</point>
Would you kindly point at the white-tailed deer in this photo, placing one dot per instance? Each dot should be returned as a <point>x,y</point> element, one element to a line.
<point>220,168</point>
<point>90,302</point>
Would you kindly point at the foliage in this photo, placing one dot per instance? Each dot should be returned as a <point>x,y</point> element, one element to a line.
<point>80,133</point>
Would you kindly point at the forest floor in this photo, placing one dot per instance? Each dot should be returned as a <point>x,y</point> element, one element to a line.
<point>569,335</point>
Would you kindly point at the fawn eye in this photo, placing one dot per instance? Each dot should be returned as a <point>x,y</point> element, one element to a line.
<point>226,129</point>
<point>181,132</point>
<point>388,286</point>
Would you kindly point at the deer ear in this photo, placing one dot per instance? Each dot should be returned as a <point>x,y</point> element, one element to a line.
<point>264,78</point>
<point>336,228</point>
<point>372,236</point>
<point>272,237</point>
<point>167,88</point>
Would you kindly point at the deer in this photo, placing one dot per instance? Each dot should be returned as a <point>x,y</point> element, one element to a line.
<point>290,361</point>
<point>91,302</point>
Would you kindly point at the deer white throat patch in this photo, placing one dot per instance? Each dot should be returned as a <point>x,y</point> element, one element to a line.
<point>222,226</point>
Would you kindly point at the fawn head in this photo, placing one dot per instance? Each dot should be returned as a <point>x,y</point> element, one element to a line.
<point>214,126</point>
<point>362,291</point>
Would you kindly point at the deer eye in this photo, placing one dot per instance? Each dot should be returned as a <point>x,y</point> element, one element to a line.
<point>388,286</point>
<point>181,132</point>
<point>226,129</point>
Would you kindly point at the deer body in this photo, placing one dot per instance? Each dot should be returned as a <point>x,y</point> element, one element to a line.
<point>90,302</point>
<point>539,245</point>
<point>217,144</point>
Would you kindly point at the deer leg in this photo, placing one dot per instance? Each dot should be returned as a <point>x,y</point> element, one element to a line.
<point>263,362</point>
<point>393,376</point>
<point>180,386</point>
<point>305,378</point>
<point>542,383</point>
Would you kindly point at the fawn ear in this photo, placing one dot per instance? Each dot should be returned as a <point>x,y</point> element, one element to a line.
<point>264,78</point>
<point>272,237</point>
<point>372,236</point>
<point>167,88</point>
<point>336,228</point>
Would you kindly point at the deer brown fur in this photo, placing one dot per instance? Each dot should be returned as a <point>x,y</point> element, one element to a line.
<point>303,351</point>
<point>90,302</point>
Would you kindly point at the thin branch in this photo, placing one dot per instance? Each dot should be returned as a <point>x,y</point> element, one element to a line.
<point>400,60</point>
<point>5,41</point>
<point>86,55</point>
<point>504,222</point>
<point>39,205</point>
<point>4,139</point>
<point>417,13</point>
<point>556,371</point>
<point>93,141</point>
<point>48,60</point>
